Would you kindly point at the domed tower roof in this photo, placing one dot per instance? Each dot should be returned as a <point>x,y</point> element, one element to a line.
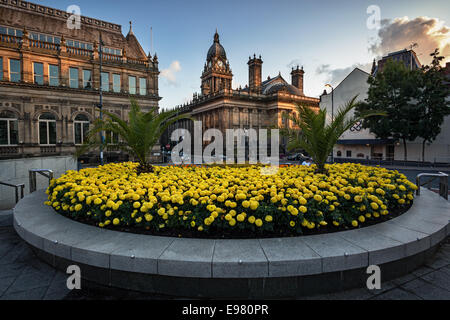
<point>216,49</point>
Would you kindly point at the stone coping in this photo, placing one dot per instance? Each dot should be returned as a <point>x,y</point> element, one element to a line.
<point>424,226</point>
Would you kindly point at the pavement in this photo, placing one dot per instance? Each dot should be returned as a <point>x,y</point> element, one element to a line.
<point>24,277</point>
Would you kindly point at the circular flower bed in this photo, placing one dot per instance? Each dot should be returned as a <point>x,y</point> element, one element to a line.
<point>231,201</point>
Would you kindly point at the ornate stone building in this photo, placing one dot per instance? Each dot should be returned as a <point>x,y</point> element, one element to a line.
<point>50,78</point>
<point>260,105</point>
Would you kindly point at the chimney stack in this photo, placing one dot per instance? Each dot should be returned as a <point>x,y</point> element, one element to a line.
<point>297,78</point>
<point>255,73</point>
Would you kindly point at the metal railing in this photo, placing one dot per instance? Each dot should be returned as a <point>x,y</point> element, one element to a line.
<point>21,186</point>
<point>43,172</point>
<point>443,182</point>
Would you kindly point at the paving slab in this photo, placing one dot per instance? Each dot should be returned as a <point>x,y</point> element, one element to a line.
<point>337,253</point>
<point>426,290</point>
<point>187,258</point>
<point>290,257</point>
<point>381,248</point>
<point>139,253</point>
<point>239,259</point>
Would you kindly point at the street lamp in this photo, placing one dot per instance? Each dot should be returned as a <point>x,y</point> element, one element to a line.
<point>100,105</point>
<point>332,113</point>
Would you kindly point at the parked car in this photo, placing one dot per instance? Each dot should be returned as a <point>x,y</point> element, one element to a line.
<point>298,157</point>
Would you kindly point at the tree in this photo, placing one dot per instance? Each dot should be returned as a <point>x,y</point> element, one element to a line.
<point>316,136</point>
<point>138,136</point>
<point>393,91</point>
<point>431,100</point>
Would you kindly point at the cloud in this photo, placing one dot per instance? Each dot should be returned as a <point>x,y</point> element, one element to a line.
<point>335,76</point>
<point>294,63</point>
<point>395,35</point>
<point>170,73</point>
<point>400,33</point>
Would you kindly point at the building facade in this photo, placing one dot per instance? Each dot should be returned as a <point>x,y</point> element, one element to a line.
<point>260,105</point>
<point>50,78</point>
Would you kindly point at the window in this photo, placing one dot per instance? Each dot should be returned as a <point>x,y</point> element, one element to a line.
<point>44,38</point>
<point>14,70</point>
<point>73,78</point>
<point>87,79</point>
<point>349,154</point>
<point>105,81</point>
<point>117,52</point>
<point>11,31</point>
<point>132,85</point>
<point>47,129</point>
<point>360,155</point>
<point>142,86</point>
<point>53,75</point>
<point>81,128</point>
<point>1,68</point>
<point>111,137</point>
<point>9,132</point>
<point>116,82</point>
<point>80,45</point>
<point>339,154</point>
<point>38,72</point>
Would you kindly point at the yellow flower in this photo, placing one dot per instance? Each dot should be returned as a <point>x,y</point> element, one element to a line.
<point>292,224</point>
<point>303,209</point>
<point>78,207</point>
<point>136,205</point>
<point>269,218</point>
<point>232,222</point>
<point>354,223</point>
<point>252,219</point>
<point>362,219</point>
<point>246,204</point>
<point>116,221</point>
<point>148,217</point>
<point>254,205</point>
<point>259,223</point>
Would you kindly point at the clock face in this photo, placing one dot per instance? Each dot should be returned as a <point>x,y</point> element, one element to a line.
<point>220,63</point>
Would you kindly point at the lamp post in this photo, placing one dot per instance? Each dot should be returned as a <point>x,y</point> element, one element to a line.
<point>332,112</point>
<point>100,105</point>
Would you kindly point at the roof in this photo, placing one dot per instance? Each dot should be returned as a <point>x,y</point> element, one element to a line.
<point>273,85</point>
<point>353,71</point>
<point>216,50</point>
<point>41,19</point>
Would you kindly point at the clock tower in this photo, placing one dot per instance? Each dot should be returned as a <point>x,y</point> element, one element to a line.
<point>217,75</point>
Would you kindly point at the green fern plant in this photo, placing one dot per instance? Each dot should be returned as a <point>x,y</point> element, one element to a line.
<point>137,137</point>
<point>316,136</point>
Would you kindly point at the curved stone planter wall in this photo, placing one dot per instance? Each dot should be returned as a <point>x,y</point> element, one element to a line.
<point>262,268</point>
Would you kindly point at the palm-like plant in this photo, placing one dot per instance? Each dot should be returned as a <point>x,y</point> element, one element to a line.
<point>317,137</point>
<point>138,136</point>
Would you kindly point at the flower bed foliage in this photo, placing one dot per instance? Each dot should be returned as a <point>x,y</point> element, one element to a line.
<point>213,201</point>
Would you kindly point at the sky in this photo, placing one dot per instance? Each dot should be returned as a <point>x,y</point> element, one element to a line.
<point>328,38</point>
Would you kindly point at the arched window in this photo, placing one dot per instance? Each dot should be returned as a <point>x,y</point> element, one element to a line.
<point>9,128</point>
<point>47,129</point>
<point>339,153</point>
<point>81,128</point>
